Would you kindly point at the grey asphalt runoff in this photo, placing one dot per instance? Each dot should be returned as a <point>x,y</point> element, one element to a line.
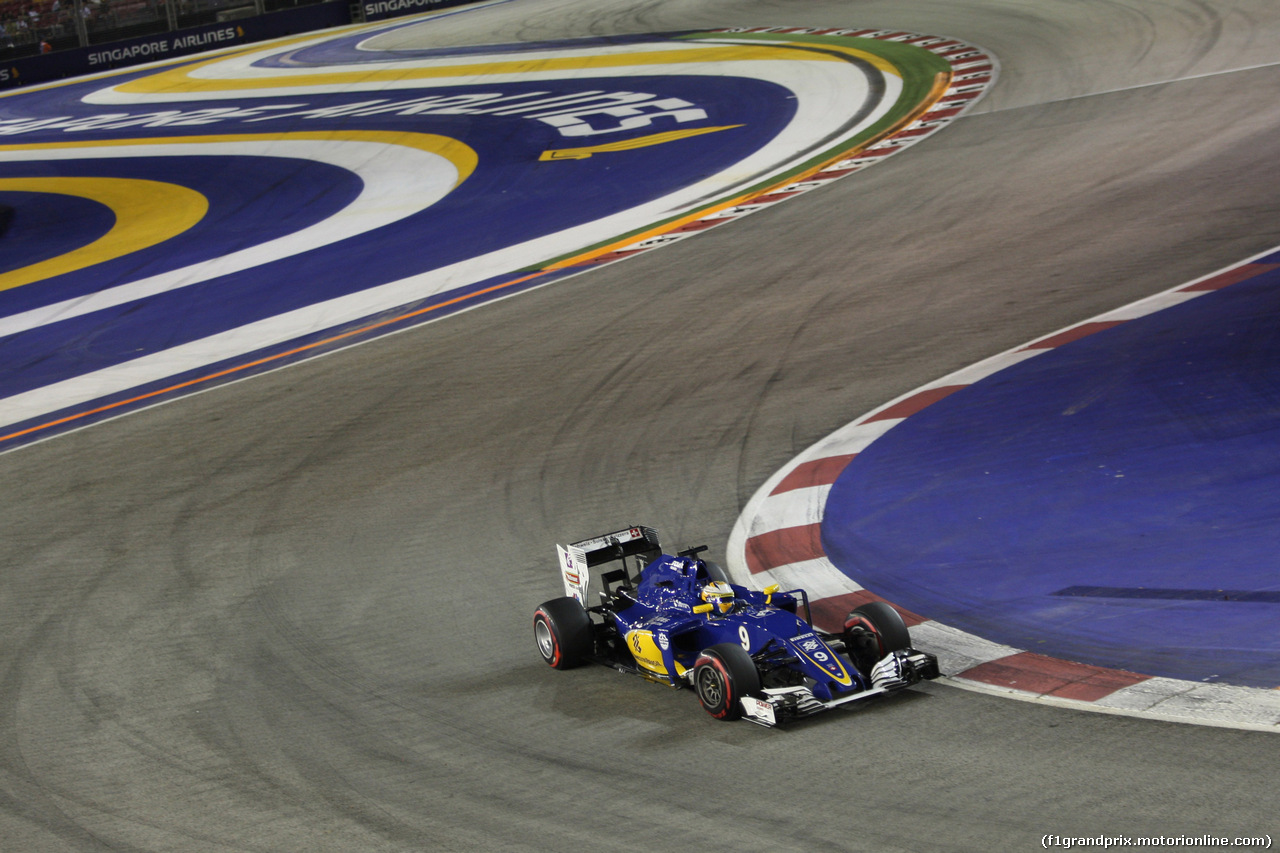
<point>294,613</point>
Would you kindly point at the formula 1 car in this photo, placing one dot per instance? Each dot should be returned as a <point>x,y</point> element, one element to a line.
<point>677,620</point>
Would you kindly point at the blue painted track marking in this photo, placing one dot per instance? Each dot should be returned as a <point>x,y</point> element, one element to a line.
<point>641,139</point>
<point>1140,457</point>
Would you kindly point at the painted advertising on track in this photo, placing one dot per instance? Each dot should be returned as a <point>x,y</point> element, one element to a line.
<point>198,220</point>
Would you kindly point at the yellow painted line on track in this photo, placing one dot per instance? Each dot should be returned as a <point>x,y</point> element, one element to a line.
<point>629,144</point>
<point>878,62</point>
<point>149,212</point>
<point>183,81</point>
<point>146,212</point>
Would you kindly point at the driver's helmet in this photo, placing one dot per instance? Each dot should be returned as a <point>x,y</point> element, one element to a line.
<point>719,594</point>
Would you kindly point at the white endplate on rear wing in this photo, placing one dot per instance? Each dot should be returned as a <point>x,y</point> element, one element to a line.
<point>573,568</point>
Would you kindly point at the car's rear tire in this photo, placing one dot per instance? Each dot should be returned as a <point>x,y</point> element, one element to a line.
<point>562,633</point>
<point>872,631</point>
<point>722,675</point>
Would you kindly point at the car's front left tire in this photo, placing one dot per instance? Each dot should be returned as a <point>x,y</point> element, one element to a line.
<point>722,675</point>
<point>562,633</point>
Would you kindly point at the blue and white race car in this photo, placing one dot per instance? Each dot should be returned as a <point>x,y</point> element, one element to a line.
<point>747,653</point>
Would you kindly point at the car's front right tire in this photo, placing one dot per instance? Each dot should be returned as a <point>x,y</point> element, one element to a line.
<point>872,631</point>
<point>562,633</point>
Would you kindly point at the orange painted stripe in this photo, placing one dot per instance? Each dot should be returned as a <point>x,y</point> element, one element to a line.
<point>268,359</point>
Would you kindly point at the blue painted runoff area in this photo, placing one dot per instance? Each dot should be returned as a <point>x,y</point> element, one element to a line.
<point>511,197</point>
<point>1114,501</point>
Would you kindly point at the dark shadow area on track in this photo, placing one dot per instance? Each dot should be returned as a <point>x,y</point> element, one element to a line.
<point>49,225</point>
<point>1113,501</point>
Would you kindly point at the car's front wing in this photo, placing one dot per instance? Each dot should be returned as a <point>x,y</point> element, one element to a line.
<point>777,704</point>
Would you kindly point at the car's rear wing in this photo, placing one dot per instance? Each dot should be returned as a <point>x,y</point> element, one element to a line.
<point>577,558</point>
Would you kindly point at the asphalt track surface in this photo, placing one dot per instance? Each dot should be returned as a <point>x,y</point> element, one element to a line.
<point>293,613</point>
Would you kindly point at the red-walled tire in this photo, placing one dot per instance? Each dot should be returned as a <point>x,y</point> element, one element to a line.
<point>722,675</point>
<point>562,633</point>
<point>873,630</point>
